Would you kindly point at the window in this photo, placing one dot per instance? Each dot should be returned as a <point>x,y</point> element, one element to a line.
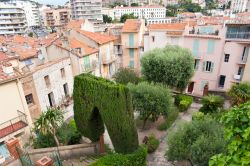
<point>29,99</point>
<point>132,64</point>
<point>62,72</point>
<point>47,81</point>
<point>210,46</point>
<point>226,59</point>
<point>196,45</point>
<point>51,99</point>
<point>153,38</point>
<point>240,70</point>
<point>66,89</point>
<point>196,64</point>
<point>208,66</point>
<point>222,81</point>
<point>131,52</point>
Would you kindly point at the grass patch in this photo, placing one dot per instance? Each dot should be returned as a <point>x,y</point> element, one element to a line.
<point>169,120</point>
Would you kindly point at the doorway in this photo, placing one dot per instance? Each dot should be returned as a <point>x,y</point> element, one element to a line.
<point>191,87</point>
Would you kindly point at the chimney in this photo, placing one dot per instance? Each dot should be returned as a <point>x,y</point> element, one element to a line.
<point>79,50</point>
<point>7,68</point>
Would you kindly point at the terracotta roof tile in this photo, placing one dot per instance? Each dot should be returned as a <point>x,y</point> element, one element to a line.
<point>25,53</point>
<point>97,37</point>
<point>173,26</point>
<point>74,43</point>
<point>75,24</point>
<point>3,56</point>
<point>131,25</point>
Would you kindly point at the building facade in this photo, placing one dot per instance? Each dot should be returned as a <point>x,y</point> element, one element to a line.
<point>87,9</point>
<point>142,12</point>
<point>12,19</point>
<point>239,6</point>
<point>56,17</point>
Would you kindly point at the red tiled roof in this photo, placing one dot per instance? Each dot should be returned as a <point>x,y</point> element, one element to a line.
<point>74,43</point>
<point>3,56</point>
<point>25,53</point>
<point>131,25</point>
<point>75,24</point>
<point>97,37</point>
<point>173,26</point>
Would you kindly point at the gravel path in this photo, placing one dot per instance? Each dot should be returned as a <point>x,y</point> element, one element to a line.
<point>158,158</point>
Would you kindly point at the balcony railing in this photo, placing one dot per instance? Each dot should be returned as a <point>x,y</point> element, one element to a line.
<point>238,35</point>
<point>237,77</point>
<point>13,125</point>
<point>215,33</point>
<point>130,45</point>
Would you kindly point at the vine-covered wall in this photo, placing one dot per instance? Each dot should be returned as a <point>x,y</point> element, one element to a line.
<point>98,101</point>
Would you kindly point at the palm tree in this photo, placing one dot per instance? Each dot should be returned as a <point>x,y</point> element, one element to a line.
<point>240,93</point>
<point>49,122</point>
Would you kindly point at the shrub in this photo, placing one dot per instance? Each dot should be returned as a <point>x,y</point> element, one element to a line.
<point>196,141</point>
<point>183,102</point>
<point>127,75</point>
<point>43,141</point>
<point>137,158</point>
<point>152,143</point>
<point>239,93</point>
<point>151,100</point>
<point>198,116</point>
<point>237,131</point>
<point>172,116</point>
<point>211,103</point>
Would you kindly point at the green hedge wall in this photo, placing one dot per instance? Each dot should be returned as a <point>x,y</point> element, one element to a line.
<point>98,101</point>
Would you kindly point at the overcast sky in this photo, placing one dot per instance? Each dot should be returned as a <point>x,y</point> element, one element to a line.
<point>52,2</point>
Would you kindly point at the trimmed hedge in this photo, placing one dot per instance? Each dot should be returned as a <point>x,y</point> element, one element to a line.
<point>98,101</point>
<point>183,102</point>
<point>138,158</point>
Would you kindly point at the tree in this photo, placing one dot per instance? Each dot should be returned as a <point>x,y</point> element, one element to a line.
<point>196,141</point>
<point>106,18</point>
<point>151,100</point>
<point>127,16</point>
<point>171,10</point>
<point>134,4</point>
<point>237,132</point>
<point>31,34</point>
<point>49,122</point>
<point>239,93</point>
<point>126,75</point>
<point>190,7</point>
<point>211,103</point>
<point>172,65</point>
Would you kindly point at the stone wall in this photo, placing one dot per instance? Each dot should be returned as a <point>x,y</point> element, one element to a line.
<point>66,152</point>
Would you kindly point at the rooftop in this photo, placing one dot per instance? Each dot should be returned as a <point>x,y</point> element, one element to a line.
<point>139,7</point>
<point>74,43</point>
<point>131,25</point>
<point>75,24</point>
<point>173,26</point>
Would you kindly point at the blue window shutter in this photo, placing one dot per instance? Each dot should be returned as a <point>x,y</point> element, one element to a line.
<point>132,64</point>
<point>86,62</point>
<point>131,39</point>
<point>196,45</point>
<point>131,52</point>
<point>210,46</point>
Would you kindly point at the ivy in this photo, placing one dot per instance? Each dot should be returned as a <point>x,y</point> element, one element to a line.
<point>98,101</point>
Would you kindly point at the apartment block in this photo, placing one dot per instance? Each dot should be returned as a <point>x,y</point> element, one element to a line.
<point>239,6</point>
<point>87,9</point>
<point>132,42</point>
<point>142,12</point>
<point>12,19</point>
<point>56,17</point>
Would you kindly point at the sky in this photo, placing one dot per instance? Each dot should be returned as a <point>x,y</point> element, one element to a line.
<point>52,2</point>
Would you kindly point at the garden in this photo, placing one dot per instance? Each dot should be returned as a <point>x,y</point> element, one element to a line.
<point>149,119</point>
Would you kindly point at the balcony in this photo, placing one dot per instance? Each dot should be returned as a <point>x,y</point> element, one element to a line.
<point>238,36</point>
<point>107,60</point>
<point>131,45</point>
<point>13,125</point>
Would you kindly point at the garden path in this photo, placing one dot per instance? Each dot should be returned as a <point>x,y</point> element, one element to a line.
<point>158,157</point>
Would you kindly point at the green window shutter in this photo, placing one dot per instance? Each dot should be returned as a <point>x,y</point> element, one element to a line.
<point>196,45</point>
<point>131,39</point>
<point>212,67</point>
<point>204,66</point>
<point>131,52</point>
<point>210,46</point>
<point>132,64</point>
<point>86,62</point>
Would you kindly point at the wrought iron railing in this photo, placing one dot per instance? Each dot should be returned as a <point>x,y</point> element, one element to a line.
<point>13,125</point>
<point>238,35</point>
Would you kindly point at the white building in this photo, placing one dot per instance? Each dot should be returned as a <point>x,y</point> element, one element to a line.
<point>142,12</point>
<point>87,9</point>
<point>12,19</point>
<point>159,20</point>
<point>108,11</point>
<point>31,11</point>
<point>239,5</point>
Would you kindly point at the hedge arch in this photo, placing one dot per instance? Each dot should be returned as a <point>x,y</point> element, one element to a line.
<point>98,101</point>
